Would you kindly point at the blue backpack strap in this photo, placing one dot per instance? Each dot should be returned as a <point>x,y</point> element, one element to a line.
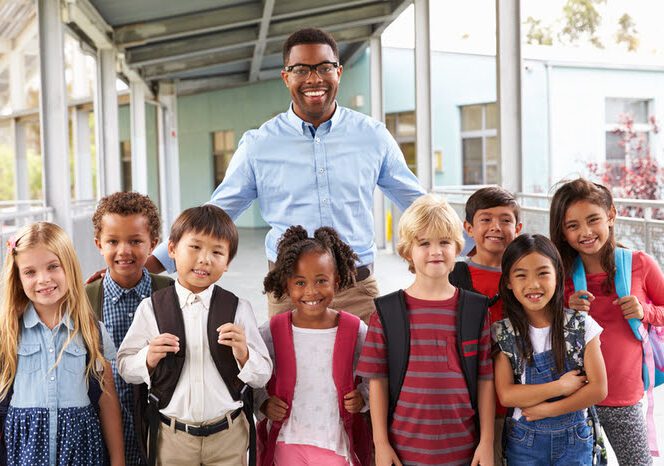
<point>623,282</point>
<point>579,275</point>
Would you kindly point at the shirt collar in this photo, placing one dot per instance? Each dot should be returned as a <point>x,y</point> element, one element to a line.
<point>302,126</point>
<point>187,297</point>
<point>143,288</point>
<point>31,318</point>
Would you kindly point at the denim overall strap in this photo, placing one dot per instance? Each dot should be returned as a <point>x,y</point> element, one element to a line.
<point>543,370</point>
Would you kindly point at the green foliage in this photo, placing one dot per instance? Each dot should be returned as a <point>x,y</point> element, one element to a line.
<point>582,21</point>
<point>6,173</point>
<point>627,33</point>
<point>538,34</point>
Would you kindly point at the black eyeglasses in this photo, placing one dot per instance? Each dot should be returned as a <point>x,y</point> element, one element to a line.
<point>322,69</point>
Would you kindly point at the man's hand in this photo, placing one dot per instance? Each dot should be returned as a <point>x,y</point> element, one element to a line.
<point>580,301</point>
<point>95,276</point>
<point>631,307</point>
<point>571,381</point>
<point>274,409</point>
<point>233,335</point>
<point>483,455</point>
<point>159,347</point>
<point>353,401</point>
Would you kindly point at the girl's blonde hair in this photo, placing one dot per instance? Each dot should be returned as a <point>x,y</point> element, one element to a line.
<point>432,215</point>
<point>15,301</point>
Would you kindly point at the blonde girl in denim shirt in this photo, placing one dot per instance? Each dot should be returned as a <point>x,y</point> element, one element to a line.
<point>49,351</point>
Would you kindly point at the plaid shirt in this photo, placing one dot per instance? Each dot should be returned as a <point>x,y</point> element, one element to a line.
<point>118,313</point>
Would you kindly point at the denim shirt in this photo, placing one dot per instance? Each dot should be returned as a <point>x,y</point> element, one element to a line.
<point>38,384</point>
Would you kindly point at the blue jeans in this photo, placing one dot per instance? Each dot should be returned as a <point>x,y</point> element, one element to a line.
<point>568,446</point>
<point>565,440</point>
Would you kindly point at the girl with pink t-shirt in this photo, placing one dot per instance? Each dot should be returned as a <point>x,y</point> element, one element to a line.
<point>582,224</point>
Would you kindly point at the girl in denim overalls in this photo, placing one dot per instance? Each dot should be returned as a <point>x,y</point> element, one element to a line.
<point>50,351</point>
<point>551,376</point>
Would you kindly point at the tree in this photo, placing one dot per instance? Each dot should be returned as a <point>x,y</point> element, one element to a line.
<point>538,34</point>
<point>641,177</point>
<point>582,20</point>
<point>627,33</point>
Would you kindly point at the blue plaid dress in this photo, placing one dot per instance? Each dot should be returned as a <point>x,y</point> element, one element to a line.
<point>118,311</point>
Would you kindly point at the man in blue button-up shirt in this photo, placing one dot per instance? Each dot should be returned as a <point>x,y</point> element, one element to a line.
<point>316,165</point>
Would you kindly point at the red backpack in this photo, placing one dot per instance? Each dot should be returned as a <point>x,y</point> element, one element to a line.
<point>282,385</point>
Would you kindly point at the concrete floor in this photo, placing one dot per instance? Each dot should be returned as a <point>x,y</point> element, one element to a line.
<point>245,278</point>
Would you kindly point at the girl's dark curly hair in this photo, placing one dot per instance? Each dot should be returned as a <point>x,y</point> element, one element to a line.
<point>295,242</point>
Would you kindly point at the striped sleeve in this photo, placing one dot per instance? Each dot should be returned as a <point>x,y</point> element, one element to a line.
<point>486,361</point>
<point>373,360</point>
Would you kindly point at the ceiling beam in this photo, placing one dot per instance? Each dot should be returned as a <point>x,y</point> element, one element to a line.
<point>222,19</point>
<point>343,19</point>
<point>171,69</point>
<point>288,9</point>
<point>259,48</point>
<point>184,49</point>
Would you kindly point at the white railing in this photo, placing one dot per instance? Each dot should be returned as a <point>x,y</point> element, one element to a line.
<point>645,233</point>
<point>15,214</point>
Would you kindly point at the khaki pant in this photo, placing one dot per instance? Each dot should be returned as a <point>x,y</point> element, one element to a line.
<point>225,448</point>
<point>358,300</point>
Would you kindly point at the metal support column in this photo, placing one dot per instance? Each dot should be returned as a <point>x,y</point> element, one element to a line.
<point>508,75</point>
<point>106,124</point>
<point>53,113</point>
<point>82,154</point>
<point>139,147</point>
<point>18,102</point>
<point>424,141</point>
<point>378,113</point>
<point>170,168</point>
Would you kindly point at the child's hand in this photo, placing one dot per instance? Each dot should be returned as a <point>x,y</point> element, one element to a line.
<point>386,456</point>
<point>353,401</point>
<point>483,455</point>
<point>631,307</point>
<point>580,301</point>
<point>233,336</point>
<point>159,347</point>
<point>537,412</point>
<point>274,409</point>
<point>571,381</point>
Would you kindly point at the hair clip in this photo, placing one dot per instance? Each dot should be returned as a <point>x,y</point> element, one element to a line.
<point>11,244</point>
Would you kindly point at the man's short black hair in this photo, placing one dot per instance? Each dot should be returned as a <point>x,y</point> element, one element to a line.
<point>309,36</point>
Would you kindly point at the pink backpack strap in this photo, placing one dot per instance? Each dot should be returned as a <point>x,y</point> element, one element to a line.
<point>282,384</point>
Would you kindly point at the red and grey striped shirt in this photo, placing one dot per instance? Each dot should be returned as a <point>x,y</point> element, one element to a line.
<point>433,418</point>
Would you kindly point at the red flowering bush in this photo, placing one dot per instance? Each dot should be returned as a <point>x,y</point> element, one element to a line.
<point>640,177</point>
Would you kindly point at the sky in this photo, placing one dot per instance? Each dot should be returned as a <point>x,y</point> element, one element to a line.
<point>470,25</point>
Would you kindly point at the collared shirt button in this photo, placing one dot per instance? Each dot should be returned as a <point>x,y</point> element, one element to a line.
<point>322,170</point>
<point>52,378</point>
<point>50,350</point>
<point>317,139</point>
<point>325,201</point>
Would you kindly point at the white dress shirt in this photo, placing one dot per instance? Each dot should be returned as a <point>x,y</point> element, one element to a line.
<point>200,394</point>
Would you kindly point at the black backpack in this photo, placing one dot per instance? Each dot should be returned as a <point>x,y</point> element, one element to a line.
<point>461,278</point>
<point>471,314</point>
<point>164,378</point>
<point>94,393</point>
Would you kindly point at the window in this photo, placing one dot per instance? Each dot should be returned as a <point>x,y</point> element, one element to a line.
<point>402,127</point>
<point>223,147</point>
<point>617,113</point>
<point>479,143</point>
<point>125,161</point>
